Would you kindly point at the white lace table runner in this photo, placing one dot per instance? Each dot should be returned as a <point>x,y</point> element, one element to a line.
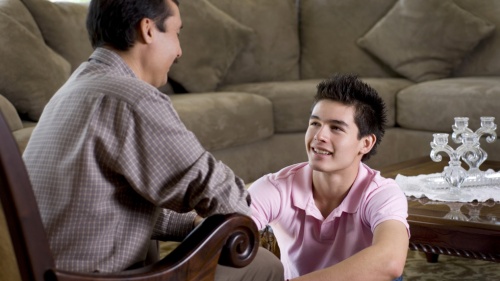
<point>434,187</point>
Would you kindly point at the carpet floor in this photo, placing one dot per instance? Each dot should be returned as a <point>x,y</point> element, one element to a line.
<point>417,268</point>
<point>449,268</point>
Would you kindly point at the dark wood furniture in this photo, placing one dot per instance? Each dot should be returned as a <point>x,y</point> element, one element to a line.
<point>225,239</point>
<point>434,233</point>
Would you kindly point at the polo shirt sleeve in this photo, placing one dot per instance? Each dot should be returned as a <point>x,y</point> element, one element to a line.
<point>387,202</point>
<point>266,201</point>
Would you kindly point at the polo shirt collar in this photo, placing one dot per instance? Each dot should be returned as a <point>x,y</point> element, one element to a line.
<point>302,196</point>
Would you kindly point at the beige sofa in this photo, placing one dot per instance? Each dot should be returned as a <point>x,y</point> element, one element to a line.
<point>246,80</point>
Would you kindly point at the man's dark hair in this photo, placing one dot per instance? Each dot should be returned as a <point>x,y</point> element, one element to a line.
<point>369,108</point>
<point>115,22</point>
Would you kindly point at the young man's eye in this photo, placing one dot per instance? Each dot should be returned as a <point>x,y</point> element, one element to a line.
<point>313,123</point>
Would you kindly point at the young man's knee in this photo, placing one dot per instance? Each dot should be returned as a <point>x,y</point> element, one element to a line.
<point>270,266</point>
<point>264,267</point>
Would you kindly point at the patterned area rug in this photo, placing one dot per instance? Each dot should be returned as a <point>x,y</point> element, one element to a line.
<point>449,268</point>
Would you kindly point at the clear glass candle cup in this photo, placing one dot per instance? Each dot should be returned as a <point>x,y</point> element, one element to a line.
<point>440,139</point>
<point>461,123</point>
<point>469,138</point>
<point>488,122</point>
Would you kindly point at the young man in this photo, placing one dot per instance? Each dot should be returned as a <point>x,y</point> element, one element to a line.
<point>335,218</point>
<point>111,163</point>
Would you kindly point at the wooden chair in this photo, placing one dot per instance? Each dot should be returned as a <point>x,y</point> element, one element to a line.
<point>230,240</point>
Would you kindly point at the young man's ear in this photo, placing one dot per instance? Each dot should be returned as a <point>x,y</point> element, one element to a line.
<point>146,30</point>
<point>367,143</point>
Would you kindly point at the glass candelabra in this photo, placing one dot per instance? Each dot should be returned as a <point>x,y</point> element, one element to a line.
<point>469,151</point>
<point>475,156</point>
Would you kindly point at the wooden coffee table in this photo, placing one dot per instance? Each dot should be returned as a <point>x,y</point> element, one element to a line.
<point>470,230</point>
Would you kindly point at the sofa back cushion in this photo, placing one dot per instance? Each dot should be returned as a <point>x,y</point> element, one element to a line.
<point>425,40</point>
<point>484,60</point>
<point>63,27</point>
<point>31,71</point>
<point>274,54</point>
<point>328,34</point>
<point>210,41</point>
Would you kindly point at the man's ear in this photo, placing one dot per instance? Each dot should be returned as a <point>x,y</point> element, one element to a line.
<point>146,30</point>
<point>367,143</point>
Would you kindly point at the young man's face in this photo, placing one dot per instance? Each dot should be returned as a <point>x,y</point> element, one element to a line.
<point>331,139</point>
<point>167,46</point>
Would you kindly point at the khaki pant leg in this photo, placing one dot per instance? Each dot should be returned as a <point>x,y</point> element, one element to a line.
<point>265,267</point>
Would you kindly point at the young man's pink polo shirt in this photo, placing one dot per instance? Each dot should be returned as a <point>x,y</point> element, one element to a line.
<point>308,241</point>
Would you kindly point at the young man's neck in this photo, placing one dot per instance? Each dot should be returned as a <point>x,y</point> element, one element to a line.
<point>330,189</point>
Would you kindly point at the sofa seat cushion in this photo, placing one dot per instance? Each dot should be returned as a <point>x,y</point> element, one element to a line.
<point>22,137</point>
<point>432,105</point>
<point>10,114</point>
<point>292,100</point>
<point>222,120</point>
<point>425,40</point>
<point>9,269</point>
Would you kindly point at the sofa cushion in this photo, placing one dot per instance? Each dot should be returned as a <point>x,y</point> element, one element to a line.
<point>22,137</point>
<point>292,100</point>
<point>273,54</point>
<point>210,40</point>
<point>32,72</point>
<point>16,9</point>
<point>388,89</point>
<point>222,120</point>
<point>254,160</point>
<point>8,267</point>
<point>328,34</point>
<point>63,27</point>
<point>485,59</point>
<point>432,105</point>
<point>425,40</point>
<point>10,114</point>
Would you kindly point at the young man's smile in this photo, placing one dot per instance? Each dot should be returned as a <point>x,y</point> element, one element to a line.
<point>321,151</point>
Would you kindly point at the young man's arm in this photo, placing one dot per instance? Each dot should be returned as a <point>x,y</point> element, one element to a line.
<point>266,201</point>
<point>383,260</point>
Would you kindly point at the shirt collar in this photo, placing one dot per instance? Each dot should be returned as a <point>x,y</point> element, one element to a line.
<point>301,189</point>
<point>111,58</point>
<point>354,197</point>
<point>302,196</point>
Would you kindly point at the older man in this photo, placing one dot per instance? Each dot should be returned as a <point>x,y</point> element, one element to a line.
<point>112,165</point>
